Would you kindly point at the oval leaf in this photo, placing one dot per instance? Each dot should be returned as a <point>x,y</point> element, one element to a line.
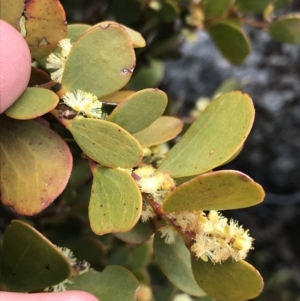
<point>100,62</point>
<point>139,110</point>
<point>30,262</point>
<point>75,31</point>
<point>215,8</point>
<point>228,281</point>
<point>116,201</point>
<point>174,260</point>
<point>220,190</point>
<point>45,26</point>
<point>286,29</point>
<point>253,6</point>
<point>213,138</point>
<point>34,102</point>
<point>116,97</point>
<point>105,142</point>
<point>35,165</point>
<point>12,11</point>
<point>136,38</point>
<point>114,283</point>
<point>161,130</point>
<point>169,11</point>
<point>231,41</point>
<point>147,77</point>
<point>138,234</point>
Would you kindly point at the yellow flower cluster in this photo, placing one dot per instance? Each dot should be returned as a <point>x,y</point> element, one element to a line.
<point>216,239</point>
<point>156,184</point>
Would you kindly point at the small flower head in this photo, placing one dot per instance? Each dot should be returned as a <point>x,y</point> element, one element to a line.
<point>187,220</point>
<point>69,255</point>
<point>58,60</point>
<point>157,184</point>
<point>169,233</point>
<point>147,212</point>
<point>79,266</point>
<point>218,240</point>
<point>155,154</point>
<point>84,103</point>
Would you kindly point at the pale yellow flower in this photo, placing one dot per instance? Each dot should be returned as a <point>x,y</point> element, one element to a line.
<point>168,233</point>
<point>84,103</point>
<point>58,60</point>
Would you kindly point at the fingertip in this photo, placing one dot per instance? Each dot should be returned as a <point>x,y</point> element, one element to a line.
<point>61,296</point>
<point>15,62</point>
<point>76,296</point>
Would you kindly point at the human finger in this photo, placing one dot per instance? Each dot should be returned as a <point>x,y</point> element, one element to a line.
<point>61,296</point>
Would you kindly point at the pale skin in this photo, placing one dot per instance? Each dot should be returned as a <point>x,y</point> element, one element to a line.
<point>15,66</point>
<point>62,296</point>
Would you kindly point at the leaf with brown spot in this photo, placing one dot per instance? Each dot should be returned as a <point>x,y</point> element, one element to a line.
<point>105,142</point>
<point>35,165</point>
<point>30,262</point>
<point>100,62</point>
<point>116,201</point>
<point>45,26</point>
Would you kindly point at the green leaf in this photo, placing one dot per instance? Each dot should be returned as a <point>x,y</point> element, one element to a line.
<point>286,29</point>
<point>253,6</point>
<point>100,62</point>
<point>35,165</point>
<point>141,255</point>
<point>11,12</point>
<point>169,11</point>
<point>105,142</point>
<point>139,110</point>
<point>116,97</point>
<point>147,77</point>
<point>88,248</point>
<point>161,130</point>
<point>164,292</point>
<point>75,31</point>
<point>136,38</point>
<point>138,234</point>
<point>114,283</point>
<point>281,3</point>
<point>229,85</point>
<point>29,262</point>
<point>231,41</point>
<point>215,8</point>
<point>45,26</point>
<point>219,190</point>
<point>174,260</point>
<point>34,102</point>
<point>216,135</point>
<point>116,201</point>
<point>228,281</point>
